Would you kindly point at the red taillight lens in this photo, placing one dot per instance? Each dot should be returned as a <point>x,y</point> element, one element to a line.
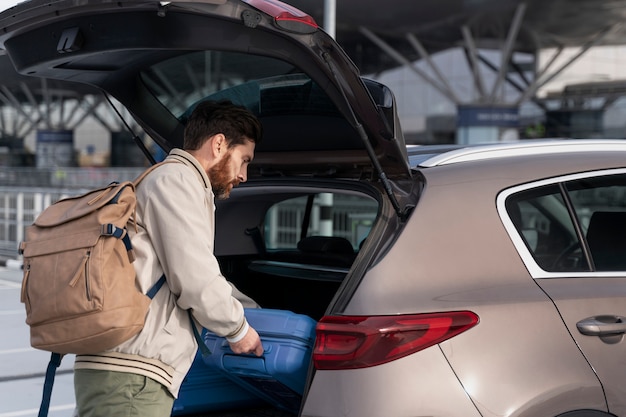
<point>351,342</point>
<point>285,16</point>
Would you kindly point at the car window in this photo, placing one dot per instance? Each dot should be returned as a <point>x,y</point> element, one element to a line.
<point>577,225</point>
<point>329,214</point>
<point>600,207</point>
<point>546,227</point>
<point>266,86</point>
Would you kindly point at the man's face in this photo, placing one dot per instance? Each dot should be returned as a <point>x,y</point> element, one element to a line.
<point>231,169</point>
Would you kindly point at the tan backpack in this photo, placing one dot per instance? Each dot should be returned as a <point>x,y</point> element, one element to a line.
<point>79,286</point>
<point>79,283</point>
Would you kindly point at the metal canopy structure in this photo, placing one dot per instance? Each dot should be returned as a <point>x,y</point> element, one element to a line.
<point>383,35</point>
<point>526,25</point>
<point>47,104</point>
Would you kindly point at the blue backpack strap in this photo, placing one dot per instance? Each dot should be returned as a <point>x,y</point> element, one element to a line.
<point>55,362</point>
<point>156,287</point>
<point>204,350</point>
<point>110,229</point>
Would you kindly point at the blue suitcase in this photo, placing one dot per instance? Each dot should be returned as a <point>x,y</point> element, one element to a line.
<point>207,389</point>
<point>280,374</point>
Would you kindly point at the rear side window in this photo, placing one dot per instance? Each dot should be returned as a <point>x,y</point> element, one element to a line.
<point>576,225</point>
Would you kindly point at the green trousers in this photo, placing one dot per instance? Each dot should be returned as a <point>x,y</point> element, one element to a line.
<point>107,393</point>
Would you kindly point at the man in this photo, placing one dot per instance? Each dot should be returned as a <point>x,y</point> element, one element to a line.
<point>175,237</point>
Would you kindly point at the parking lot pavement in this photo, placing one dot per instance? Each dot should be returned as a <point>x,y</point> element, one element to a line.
<point>22,368</point>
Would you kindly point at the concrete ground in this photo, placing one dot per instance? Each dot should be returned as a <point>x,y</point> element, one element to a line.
<point>22,368</point>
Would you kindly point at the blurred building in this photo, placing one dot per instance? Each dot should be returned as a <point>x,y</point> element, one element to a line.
<point>462,72</point>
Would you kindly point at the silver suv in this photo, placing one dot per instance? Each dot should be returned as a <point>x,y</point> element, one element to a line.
<point>445,281</point>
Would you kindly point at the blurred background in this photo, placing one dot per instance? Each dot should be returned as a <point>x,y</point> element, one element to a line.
<point>463,71</point>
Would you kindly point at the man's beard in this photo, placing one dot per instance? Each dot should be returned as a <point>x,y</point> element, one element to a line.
<point>220,178</point>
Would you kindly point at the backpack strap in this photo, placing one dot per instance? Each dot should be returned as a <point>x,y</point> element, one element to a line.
<point>151,168</point>
<point>55,362</point>
<point>204,350</point>
<point>156,287</point>
<point>140,178</point>
<point>110,229</point>
<point>147,171</point>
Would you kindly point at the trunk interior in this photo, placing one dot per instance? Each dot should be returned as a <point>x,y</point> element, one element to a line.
<point>289,248</point>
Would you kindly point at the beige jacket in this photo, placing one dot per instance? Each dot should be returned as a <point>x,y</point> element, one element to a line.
<point>175,215</point>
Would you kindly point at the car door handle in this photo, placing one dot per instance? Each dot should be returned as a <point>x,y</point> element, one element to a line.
<point>602,325</point>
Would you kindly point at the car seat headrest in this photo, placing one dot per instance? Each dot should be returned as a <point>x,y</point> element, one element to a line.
<point>606,237</point>
<point>325,244</point>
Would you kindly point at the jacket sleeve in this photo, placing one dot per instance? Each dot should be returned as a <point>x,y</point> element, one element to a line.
<point>246,301</point>
<point>179,219</point>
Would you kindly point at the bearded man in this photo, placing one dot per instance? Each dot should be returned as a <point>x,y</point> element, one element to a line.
<point>175,236</point>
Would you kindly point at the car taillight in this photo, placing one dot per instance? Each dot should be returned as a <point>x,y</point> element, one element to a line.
<point>351,342</point>
<point>285,16</point>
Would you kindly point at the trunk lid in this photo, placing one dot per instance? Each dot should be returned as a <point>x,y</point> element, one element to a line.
<point>158,59</point>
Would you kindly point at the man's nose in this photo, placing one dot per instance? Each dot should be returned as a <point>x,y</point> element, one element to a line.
<point>243,175</point>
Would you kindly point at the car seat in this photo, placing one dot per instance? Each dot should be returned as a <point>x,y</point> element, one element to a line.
<point>326,250</point>
<point>606,237</point>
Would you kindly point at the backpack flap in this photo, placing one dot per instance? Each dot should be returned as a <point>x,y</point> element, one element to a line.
<point>119,197</point>
<point>61,243</point>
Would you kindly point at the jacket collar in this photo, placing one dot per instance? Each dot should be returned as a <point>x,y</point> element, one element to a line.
<point>188,159</point>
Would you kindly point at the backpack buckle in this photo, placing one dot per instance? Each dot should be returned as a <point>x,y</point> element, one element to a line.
<point>110,229</point>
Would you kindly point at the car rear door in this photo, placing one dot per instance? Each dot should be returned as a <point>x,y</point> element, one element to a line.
<point>571,233</point>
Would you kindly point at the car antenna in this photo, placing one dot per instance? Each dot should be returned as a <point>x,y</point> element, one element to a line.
<point>368,147</point>
<point>136,138</point>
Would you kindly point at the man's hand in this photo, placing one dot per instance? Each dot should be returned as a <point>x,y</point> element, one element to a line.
<point>251,343</point>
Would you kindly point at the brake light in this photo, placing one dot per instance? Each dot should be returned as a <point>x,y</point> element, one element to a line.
<point>351,342</point>
<point>285,16</point>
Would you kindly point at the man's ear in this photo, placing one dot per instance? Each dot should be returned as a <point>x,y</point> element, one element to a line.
<point>218,145</point>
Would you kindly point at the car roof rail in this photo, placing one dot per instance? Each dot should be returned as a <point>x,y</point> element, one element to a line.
<point>522,148</point>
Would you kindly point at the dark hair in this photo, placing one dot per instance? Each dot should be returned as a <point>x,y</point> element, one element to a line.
<point>209,118</point>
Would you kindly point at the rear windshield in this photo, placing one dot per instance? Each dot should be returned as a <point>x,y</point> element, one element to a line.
<point>266,86</point>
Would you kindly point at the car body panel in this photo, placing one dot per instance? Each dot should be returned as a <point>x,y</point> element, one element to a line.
<point>584,296</point>
<point>410,387</point>
<point>489,278</point>
<point>446,207</point>
<point>580,298</point>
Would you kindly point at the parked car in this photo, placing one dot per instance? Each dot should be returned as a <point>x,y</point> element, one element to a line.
<point>484,280</point>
